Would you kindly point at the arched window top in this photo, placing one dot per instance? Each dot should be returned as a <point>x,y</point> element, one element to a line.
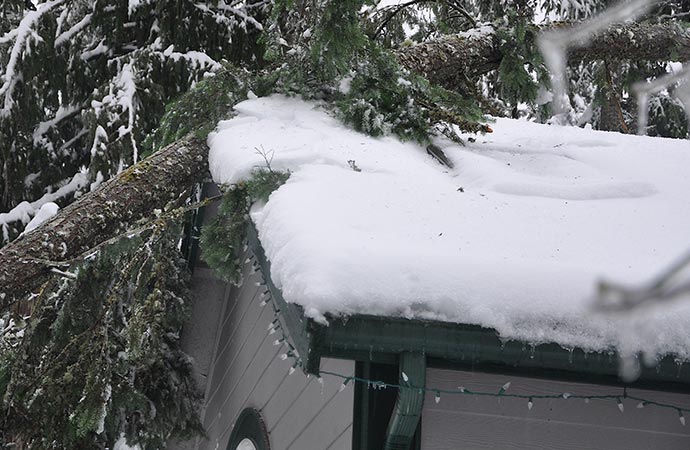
<point>246,444</point>
<point>249,432</point>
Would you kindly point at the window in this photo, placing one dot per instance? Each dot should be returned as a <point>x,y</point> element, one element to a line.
<point>249,432</point>
<point>246,444</point>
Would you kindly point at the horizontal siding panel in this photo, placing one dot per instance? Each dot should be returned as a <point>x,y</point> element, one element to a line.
<point>271,381</point>
<point>443,430</point>
<point>469,421</point>
<point>243,386</point>
<point>248,372</point>
<point>344,441</point>
<point>241,318</point>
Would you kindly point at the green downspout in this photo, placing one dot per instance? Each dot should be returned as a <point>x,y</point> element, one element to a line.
<point>408,406</point>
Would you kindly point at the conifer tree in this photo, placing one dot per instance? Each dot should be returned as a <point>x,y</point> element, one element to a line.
<point>84,82</point>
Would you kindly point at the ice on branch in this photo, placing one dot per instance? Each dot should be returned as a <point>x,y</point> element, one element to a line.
<point>645,89</point>
<point>555,44</point>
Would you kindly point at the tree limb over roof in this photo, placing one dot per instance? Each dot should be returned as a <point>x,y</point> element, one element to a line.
<point>451,59</point>
<point>27,263</point>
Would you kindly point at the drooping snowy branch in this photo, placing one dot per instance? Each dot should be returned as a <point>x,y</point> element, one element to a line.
<point>63,112</point>
<point>22,36</point>
<point>114,67</point>
<point>237,13</point>
<point>64,37</point>
<point>25,211</point>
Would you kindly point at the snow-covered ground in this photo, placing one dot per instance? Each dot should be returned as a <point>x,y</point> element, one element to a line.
<point>514,238</point>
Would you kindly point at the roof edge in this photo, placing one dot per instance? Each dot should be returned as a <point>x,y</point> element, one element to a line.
<point>471,347</point>
<point>452,345</point>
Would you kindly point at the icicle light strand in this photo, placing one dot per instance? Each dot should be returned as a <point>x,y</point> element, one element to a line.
<point>292,353</point>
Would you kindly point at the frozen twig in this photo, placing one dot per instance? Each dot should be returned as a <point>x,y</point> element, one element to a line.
<point>672,283</point>
<point>645,89</point>
<point>554,45</point>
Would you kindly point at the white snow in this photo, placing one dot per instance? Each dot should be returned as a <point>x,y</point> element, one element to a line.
<point>100,49</point>
<point>46,211</point>
<point>43,127</point>
<point>69,34</point>
<point>197,59</point>
<point>514,238</point>
<point>25,211</point>
<point>121,444</point>
<point>22,37</point>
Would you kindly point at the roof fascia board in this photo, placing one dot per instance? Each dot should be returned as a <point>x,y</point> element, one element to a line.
<point>458,346</point>
<point>291,314</point>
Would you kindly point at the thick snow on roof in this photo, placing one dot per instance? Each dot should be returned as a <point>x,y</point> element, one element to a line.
<point>513,238</point>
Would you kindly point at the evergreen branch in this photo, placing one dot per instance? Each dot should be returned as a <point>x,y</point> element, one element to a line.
<point>395,10</point>
<point>73,31</point>
<point>23,33</point>
<point>63,274</point>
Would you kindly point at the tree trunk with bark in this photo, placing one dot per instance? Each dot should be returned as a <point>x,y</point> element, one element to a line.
<point>26,263</point>
<point>451,60</point>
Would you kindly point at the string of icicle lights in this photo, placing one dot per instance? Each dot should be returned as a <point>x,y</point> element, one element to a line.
<point>276,328</point>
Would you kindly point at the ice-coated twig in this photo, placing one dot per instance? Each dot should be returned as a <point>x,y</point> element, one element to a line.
<point>645,89</point>
<point>682,93</point>
<point>668,285</point>
<point>554,45</point>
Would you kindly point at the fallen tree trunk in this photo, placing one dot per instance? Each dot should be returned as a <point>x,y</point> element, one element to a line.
<point>451,60</point>
<point>26,263</point>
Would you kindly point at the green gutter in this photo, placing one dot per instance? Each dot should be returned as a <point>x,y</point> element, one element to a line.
<point>408,406</point>
<point>471,347</point>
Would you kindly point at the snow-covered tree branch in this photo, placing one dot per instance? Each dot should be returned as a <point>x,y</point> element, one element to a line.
<point>450,60</point>
<point>102,74</point>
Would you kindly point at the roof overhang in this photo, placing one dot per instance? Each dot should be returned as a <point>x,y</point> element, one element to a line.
<point>452,345</point>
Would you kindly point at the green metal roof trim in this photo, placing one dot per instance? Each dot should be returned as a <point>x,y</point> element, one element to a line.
<point>452,345</point>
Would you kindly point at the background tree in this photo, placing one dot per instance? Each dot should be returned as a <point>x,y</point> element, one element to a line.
<point>516,84</point>
<point>84,82</point>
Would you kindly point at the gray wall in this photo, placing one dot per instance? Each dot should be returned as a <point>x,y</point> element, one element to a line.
<point>246,371</point>
<point>473,423</point>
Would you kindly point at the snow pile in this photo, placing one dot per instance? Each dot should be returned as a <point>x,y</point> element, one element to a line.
<point>121,444</point>
<point>514,238</point>
<point>25,211</point>
<point>46,211</point>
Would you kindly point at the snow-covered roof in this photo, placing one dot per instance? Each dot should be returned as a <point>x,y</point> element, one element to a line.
<point>514,238</point>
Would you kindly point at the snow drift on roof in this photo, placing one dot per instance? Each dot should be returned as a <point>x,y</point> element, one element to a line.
<point>513,238</point>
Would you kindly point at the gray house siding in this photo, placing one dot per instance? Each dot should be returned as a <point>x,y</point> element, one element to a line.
<point>473,422</point>
<point>246,371</point>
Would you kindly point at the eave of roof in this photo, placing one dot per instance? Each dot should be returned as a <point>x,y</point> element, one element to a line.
<point>451,345</point>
